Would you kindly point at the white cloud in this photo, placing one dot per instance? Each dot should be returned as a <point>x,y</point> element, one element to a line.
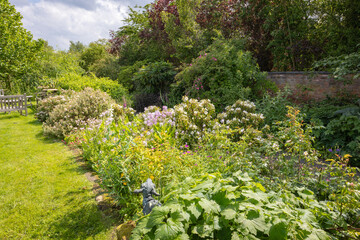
<point>62,21</point>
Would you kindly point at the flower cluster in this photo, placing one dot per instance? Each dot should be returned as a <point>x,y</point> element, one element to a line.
<point>193,118</point>
<point>154,115</point>
<point>241,115</point>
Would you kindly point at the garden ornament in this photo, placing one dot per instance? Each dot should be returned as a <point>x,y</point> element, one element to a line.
<point>148,189</point>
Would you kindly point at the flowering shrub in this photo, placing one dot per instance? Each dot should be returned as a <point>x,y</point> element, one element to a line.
<point>122,112</point>
<point>82,108</point>
<point>193,118</point>
<point>241,115</point>
<point>153,115</point>
<point>47,105</point>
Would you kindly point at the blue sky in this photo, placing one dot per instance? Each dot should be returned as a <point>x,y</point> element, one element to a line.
<point>62,21</point>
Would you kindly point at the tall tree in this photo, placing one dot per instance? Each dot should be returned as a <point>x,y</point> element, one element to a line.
<point>18,51</point>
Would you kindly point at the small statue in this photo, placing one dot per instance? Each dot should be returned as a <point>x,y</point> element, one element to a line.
<point>148,189</point>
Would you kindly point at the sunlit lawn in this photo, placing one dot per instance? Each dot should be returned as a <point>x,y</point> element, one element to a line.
<point>43,190</point>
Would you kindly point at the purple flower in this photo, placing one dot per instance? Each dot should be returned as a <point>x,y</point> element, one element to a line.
<point>209,156</point>
<point>220,157</point>
<point>330,150</point>
<point>338,150</point>
<point>186,145</point>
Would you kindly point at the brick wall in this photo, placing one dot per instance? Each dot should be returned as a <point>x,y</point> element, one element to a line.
<point>318,86</point>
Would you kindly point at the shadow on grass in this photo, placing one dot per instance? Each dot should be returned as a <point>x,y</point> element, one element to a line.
<point>10,115</point>
<point>46,139</point>
<point>82,223</point>
<point>35,122</point>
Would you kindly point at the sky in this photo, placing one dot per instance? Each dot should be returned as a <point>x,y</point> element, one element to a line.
<point>62,21</point>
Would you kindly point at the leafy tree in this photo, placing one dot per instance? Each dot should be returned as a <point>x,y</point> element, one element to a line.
<point>93,53</point>
<point>76,47</point>
<point>18,52</point>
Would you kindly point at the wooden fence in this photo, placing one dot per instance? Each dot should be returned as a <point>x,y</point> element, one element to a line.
<point>11,103</point>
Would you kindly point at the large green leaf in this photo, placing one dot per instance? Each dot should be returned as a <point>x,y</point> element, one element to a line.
<point>209,206</point>
<point>157,216</point>
<point>254,225</point>
<point>318,234</point>
<point>278,231</point>
<point>195,210</point>
<point>169,230</point>
<point>203,230</point>
<point>229,213</point>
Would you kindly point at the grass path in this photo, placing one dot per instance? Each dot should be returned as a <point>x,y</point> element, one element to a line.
<point>43,191</point>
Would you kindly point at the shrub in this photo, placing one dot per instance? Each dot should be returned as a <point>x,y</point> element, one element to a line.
<point>79,82</point>
<point>47,105</point>
<point>126,74</point>
<point>274,108</point>
<point>154,78</point>
<point>76,113</point>
<point>223,73</point>
<point>152,82</point>
<point>341,129</point>
<point>241,115</point>
<point>193,118</point>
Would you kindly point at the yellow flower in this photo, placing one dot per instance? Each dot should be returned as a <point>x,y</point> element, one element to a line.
<point>347,156</point>
<point>152,177</point>
<point>122,175</point>
<point>125,183</point>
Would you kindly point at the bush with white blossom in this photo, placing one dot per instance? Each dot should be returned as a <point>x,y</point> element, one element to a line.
<point>193,118</point>
<point>81,109</point>
<point>241,115</point>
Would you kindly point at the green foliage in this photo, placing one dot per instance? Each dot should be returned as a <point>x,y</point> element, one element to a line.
<point>341,129</point>
<point>223,73</point>
<point>82,108</point>
<point>18,52</point>
<point>93,53</point>
<point>54,64</point>
<point>77,82</point>
<point>126,74</point>
<point>154,78</point>
<point>234,208</point>
<point>274,108</point>
<point>344,67</point>
<point>106,67</point>
<point>76,47</point>
<point>152,83</point>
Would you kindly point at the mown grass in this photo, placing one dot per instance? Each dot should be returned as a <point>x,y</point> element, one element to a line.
<point>43,191</point>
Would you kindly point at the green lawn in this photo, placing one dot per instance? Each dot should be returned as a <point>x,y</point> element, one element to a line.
<point>43,191</point>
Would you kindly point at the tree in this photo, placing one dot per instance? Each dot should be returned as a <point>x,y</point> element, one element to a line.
<point>93,53</point>
<point>18,51</point>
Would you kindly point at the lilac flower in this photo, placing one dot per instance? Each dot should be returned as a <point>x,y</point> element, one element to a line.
<point>330,150</point>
